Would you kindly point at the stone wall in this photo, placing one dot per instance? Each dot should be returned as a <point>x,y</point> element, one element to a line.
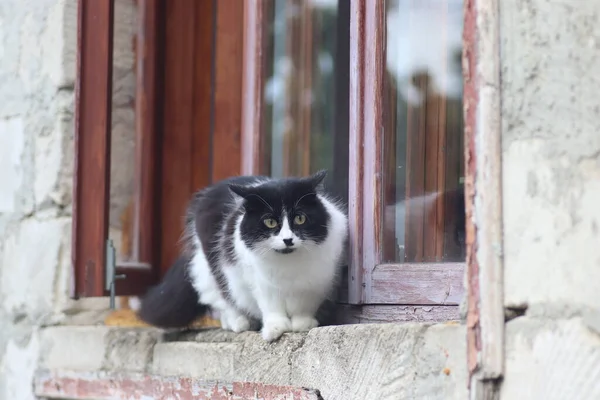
<point>36,163</point>
<point>37,78</point>
<point>551,185</point>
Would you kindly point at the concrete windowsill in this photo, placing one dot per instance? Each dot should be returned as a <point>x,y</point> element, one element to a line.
<point>370,361</point>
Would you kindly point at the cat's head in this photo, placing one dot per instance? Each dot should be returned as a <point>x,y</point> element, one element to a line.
<point>283,216</point>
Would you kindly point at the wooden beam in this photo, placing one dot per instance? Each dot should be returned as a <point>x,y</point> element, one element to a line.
<point>418,284</point>
<point>372,209</point>
<point>227,89</point>
<point>390,313</point>
<point>356,151</point>
<point>178,118</point>
<point>252,86</point>
<point>485,309</point>
<point>91,187</point>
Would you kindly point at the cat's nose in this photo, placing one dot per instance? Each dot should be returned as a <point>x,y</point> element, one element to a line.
<point>288,242</point>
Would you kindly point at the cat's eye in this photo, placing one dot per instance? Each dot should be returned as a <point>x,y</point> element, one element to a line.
<point>300,219</point>
<point>270,223</point>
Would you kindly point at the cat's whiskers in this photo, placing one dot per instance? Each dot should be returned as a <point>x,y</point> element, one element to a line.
<point>262,200</point>
<point>301,197</point>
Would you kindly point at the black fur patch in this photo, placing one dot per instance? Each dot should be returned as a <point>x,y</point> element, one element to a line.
<point>173,303</point>
<point>279,198</point>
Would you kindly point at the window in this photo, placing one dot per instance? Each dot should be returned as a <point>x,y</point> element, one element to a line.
<point>304,66</point>
<point>370,90</point>
<point>133,195</point>
<point>155,109</point>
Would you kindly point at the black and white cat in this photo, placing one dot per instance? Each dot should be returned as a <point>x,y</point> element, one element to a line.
<point>258,250</point>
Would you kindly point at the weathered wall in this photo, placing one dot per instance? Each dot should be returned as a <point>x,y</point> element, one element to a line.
<point>36,114</point>
<point>37,75</point>
<point>551,183</point>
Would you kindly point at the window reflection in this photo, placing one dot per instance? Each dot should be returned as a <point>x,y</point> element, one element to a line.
<point>423,145</point>
<point>306,73</point>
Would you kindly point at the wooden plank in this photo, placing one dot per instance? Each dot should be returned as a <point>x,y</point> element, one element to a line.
<point>93,97</point>
<point>356,153</point>
<point>378,314</point>
<point>471,99</point>
<point>372,210</point>
<point>136,386</point>
<point>291,131</point>
<point>253,85</point>
<point>227,89</point>
<point>483,187</point>
<point>178,118</point>
<point>147,105</point>
<point>418,284</point>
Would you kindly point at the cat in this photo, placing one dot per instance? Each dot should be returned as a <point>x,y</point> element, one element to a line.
<point>259,251</point>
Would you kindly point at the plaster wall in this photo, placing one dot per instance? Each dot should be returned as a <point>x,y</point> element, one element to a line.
<point>550,55</point>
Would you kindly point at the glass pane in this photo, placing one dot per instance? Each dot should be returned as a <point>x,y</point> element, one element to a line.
<point>424,217</point>
<point>123,147</point>
<point>306,90</point>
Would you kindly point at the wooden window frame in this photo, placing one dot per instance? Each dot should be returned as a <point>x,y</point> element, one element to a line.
<point>91,189</point>
<point>371,280</point>
<point>179,126</point>
<point>435,287</point>
<point>377,291</point>
<point>485,314</point>
<point>201,109</point>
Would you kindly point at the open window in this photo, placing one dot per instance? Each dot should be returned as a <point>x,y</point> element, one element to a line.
<point>132,194</point>
<point>158,95</point>
<point>370,90</point>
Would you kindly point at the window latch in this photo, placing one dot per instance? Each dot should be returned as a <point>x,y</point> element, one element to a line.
<point>111,271</point>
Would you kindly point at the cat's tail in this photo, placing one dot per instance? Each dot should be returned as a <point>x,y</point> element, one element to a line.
<point>174,303</point>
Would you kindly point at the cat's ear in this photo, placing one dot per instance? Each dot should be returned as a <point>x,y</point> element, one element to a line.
<point>242,191</point>
<point>316,180</point>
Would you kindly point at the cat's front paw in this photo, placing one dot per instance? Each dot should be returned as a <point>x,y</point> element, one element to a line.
<point>302,323</point>
<point>240,324</point>
<point>234,321</point>
<point>274,326</point>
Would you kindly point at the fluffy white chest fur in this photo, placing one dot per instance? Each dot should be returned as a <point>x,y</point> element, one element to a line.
<point>283,291</point>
